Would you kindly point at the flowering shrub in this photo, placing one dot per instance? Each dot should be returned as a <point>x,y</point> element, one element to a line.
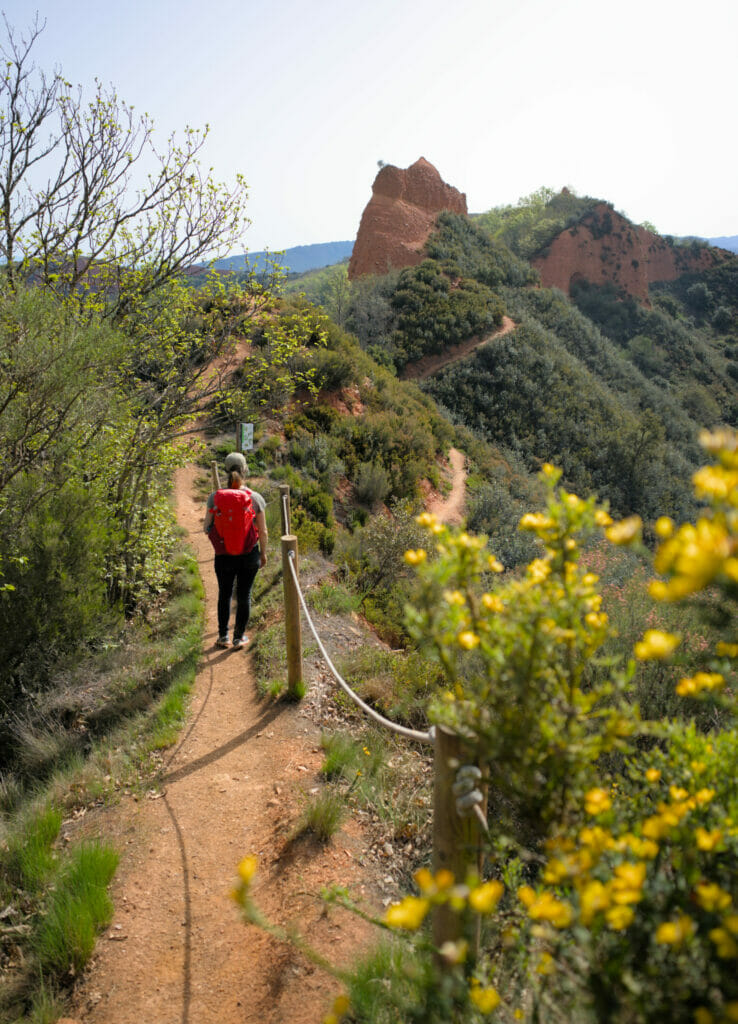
<point>516,657</point>
<point>623,907</point>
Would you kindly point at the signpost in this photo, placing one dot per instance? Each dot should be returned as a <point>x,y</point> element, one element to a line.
<point>245,438</point>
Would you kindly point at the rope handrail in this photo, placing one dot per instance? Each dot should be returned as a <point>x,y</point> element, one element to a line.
<point>413,734</point>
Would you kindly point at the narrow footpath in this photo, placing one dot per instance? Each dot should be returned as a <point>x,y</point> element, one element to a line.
<point>177,951</point>
<point>428,365</point>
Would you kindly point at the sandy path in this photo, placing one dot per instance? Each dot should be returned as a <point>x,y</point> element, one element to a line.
<point>177,952</point>
<point>451,508</point>
<point>429,365</point>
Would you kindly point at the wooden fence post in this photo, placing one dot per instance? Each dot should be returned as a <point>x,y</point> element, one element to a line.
<point>292,621</point>
<point>214,471</point>
<point>456,840</point>
<point>284,508</point>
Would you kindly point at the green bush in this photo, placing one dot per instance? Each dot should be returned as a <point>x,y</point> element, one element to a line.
<point>372,484</point>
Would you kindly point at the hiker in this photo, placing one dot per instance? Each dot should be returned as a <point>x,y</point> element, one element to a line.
<point>253,539</point>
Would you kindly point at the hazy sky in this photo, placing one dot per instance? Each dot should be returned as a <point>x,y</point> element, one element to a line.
<point>633,102</point>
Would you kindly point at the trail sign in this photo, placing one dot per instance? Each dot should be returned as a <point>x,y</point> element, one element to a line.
<point>245,439</point>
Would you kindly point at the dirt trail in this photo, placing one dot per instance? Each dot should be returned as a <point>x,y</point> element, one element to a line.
<point>429,365</point>
<point>177,952</point>
<point>450,509</point>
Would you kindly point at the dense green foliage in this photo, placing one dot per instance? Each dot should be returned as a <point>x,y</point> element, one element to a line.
<point>531,225</point>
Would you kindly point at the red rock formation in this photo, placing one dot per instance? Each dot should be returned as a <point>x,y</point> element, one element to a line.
<point>604,247</point>
<point>399,217</point>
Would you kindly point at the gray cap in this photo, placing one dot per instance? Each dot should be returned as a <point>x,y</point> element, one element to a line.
<point>235,460</point>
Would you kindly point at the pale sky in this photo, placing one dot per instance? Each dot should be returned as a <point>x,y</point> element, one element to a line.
<point>633,102</point>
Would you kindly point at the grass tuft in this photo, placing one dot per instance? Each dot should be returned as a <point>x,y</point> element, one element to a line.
<point>323,815</point>
<point>79,907</point>
<point>29,860</point>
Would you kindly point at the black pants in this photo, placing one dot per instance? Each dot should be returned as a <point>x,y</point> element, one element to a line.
<point>242,569</point>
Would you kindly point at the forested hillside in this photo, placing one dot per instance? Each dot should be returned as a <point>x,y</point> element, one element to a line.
<point>612,391</point>
<point>119,364</point>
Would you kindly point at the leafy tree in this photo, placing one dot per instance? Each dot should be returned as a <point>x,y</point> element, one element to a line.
<point>77,213</point>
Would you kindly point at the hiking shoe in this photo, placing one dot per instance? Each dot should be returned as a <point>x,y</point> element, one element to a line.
<point>222,641</point>
<point>239,642</point>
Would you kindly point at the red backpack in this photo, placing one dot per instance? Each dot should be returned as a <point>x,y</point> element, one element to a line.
<point>234,520</point>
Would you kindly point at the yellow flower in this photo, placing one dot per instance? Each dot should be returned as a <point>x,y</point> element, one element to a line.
<point>708,840</point>
<point>731,1010</point>
<point>485,999</point>
<point>630,876</point>
<point>425,881</point>
<point>495,564</point>
<point>468,640</point>
<point>711,897</point>
<point>655,827</point>
<point>539,569</point>
<point>664,527</point>
<point>677,793</point>
<point>703,1016</point>
<point>598,839</point>
<point>485,897</point>
<point>341,1005</point>
<point>425,519</point>
<point>656,645</point>
<point>653,774</point>
<point>643,847</point>
<point>545,964</point>
<point>557,870</point>
<point>675,933</point>
<point>550,471</point>
<point>415,557</point>
<point>247,868</point>
<point>596,801</point>
<point>526,895</point>
<point>725,945</point>
<point>444,879</point>
<point>718,441</point>
<point>624,532</point>
<point>454,597</point>
<point>409,914</point>
<point>547,908</point>
<point>727,650</point>
<point>691,686</point>
<point>593,898</point>
<point>704,796</point>
<point>730,921</point>
<point>619,917</point>
<point>603,518</point>
<point>492,603</point>
<point>536,521</point>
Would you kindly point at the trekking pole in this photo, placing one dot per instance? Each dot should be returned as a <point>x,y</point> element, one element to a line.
<point>214,471</point>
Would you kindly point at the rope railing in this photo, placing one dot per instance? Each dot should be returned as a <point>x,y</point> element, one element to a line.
<point>459,790</point>
<point>413,734</point>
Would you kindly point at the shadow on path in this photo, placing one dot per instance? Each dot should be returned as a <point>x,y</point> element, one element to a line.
<point>215,755</point>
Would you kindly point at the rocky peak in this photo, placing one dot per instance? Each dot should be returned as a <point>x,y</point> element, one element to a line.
<point>400,216</point>
<point>606,248</point>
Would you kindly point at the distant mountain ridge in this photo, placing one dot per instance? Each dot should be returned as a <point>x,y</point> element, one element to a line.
<point>297,259</point>
<point>725,242</point>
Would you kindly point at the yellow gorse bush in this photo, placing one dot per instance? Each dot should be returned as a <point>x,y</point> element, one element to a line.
<point>624,907</point>
<point>516,651</point>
